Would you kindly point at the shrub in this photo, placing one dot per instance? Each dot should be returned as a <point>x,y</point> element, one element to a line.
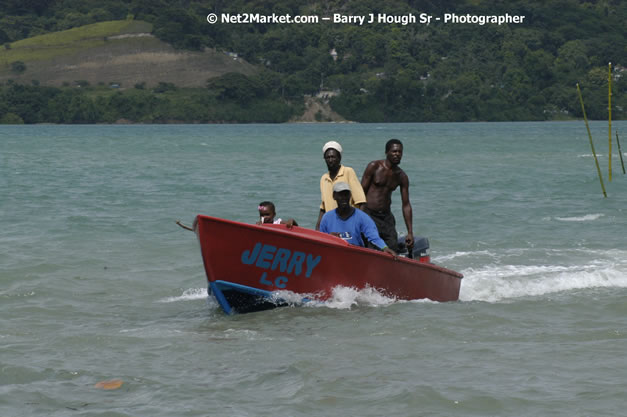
<point>18,67</point>
<point>11,119</point>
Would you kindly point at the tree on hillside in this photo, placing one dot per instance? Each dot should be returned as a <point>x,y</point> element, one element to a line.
<point>232,86</point>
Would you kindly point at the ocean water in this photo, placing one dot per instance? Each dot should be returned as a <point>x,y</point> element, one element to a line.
<point>97,283</point>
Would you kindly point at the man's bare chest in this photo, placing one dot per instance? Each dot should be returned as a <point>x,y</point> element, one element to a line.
<point>386,179</point>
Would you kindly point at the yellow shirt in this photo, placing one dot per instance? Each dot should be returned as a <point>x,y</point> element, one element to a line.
<point>347,175</point>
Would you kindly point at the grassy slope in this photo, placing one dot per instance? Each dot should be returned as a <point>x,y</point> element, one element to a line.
<point>113,52</point>
<point>52,45</point>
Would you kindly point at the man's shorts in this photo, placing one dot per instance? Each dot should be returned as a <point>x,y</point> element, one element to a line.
<point>386,225</point>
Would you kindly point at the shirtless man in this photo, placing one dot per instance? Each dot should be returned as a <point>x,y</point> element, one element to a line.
<point>379,180</point>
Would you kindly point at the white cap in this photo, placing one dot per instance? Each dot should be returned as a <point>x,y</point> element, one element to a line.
<point>332,145</point>
<point>341,186</point>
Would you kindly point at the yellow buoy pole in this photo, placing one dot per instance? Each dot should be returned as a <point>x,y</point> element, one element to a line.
<point>596,161</point>
<point>620,152</point>
<point>609,112</point>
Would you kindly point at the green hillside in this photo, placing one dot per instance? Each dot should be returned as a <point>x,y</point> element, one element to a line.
<point>379,72</point>
<point>67,42</point>
<point>122,52</point>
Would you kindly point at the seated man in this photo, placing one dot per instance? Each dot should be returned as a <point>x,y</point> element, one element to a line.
<point>349,223</point>
<point>267,214</point>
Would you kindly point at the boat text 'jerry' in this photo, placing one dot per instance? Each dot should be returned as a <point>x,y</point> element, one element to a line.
<point>270,257</point>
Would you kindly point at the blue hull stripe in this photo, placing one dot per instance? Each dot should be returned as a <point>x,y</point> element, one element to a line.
<point>217,293</point>
<point>225,285</point>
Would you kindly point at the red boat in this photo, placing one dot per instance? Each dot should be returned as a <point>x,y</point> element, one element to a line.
<point>248,266</point>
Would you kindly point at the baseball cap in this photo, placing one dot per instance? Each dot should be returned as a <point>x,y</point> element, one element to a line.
<point>341,186</point>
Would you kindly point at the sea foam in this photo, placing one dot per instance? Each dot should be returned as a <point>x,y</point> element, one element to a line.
<point>585,218</point>
<point>342,298</point>
<point>190,294</point>
<point>346,297</point>
<point>494,283</point>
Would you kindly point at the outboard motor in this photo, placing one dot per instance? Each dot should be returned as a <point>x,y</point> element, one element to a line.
<point>421,249</point>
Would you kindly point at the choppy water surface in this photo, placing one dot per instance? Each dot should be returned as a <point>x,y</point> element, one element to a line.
<point>97,283</point>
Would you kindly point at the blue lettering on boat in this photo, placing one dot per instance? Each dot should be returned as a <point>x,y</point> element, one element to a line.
<point>264,279</point>
<point>280,282</point>
<point>280,259</point>
<point>311,264</point>
<point>248,258</point>
<point>296,263</point>
<point>266,256</point>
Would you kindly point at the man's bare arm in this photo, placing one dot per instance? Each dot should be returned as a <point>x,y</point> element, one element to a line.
<point>407,210</point>
<point>366,179</point>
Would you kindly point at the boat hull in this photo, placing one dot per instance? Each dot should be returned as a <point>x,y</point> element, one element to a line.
<point>246,265</point>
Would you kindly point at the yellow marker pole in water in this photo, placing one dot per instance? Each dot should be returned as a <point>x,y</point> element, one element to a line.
<point>609,112</point>
<point>596,161</point>
<point>620,152</point>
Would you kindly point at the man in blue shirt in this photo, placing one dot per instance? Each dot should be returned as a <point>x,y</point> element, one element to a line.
<point>349,223</point>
